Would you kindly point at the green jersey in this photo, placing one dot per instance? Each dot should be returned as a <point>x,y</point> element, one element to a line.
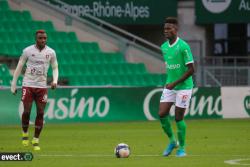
<point>176,57</point>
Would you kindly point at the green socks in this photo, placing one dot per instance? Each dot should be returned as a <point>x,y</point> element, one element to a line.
<point>166,126</point>
<point>181,127</point>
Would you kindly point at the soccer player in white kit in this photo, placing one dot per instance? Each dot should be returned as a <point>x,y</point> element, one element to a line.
<point>37,57</point>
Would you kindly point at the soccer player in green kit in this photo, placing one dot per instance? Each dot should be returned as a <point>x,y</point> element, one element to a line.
<point>179,84</point>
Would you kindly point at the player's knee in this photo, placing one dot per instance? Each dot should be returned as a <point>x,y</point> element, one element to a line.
<point>178,118</point>
<point>26,112</point>
<point>40,114</point>
<point>160,114</point>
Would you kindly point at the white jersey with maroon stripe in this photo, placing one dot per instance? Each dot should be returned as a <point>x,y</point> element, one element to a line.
<point>37,63</point>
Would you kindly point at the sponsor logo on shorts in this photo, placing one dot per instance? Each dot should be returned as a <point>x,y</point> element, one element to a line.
<point>184,98</point>
<point>45,98</point>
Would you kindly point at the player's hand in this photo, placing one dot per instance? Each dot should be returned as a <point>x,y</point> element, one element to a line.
<point>13,89</point>
<point>53,85</point>
<point>170,86</point>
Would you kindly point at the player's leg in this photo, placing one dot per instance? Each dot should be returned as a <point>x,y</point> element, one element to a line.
<point>182,103</point>
<point>181,130</point>
<point>167,100</point>
<point>41,100</point>
<point>164,109</point>
<point>27,99</point>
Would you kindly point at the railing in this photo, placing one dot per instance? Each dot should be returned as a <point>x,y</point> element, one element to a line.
<point>226,61</point>
<point>226,71</point>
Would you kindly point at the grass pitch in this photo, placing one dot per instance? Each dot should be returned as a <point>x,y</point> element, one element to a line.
<point>209,144</point>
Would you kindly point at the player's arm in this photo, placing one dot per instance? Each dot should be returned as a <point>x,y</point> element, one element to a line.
<point>55,72</point>
<point>188,73</point>
<point>16,74</point>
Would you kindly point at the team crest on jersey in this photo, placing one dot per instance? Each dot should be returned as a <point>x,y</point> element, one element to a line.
<point>165,51</point>
<point>47,56</point>
<point>176,52</point>
<point>33,55</point>
<point>170,57</point>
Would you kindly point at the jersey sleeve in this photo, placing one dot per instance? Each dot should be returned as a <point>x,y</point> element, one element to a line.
<point>53,60</point>
<point>24,56</point>
<point>187,54</point>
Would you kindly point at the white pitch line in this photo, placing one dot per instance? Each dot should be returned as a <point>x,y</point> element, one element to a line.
<point>134,155</point>
<point>237,162</point>
<point>73,155</point>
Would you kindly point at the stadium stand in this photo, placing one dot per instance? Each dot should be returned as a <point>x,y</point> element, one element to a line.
<point>80,63</point>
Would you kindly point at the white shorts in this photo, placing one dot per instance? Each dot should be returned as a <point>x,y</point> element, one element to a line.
<point>181,98</point>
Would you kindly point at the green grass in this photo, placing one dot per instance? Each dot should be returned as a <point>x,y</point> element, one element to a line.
<point>209,143</point>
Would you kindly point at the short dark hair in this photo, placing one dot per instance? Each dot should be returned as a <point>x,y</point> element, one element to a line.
<point>40,31</point>
<point>171,20</point>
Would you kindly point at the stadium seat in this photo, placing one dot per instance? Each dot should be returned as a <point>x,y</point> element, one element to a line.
<point>37,25</point>
<point>77,58</point>
<point>4,6</point>
<point>114,58</point>
<point>134,80</point>
<point>108,69</point>
<point>19,81</point>
<point>6,80</point>
<point>67,58</point>
<point>66,70</point>
<point>20,46</point>
<point>26,16</point>
<point>138,68</point>
<point>12,50</point>
<point>9,15</point>
<point>4,37</point>
<point>158,79</point>
<point>3,49</point>
<point>122,68</point>
<point>115,80</point>
<point>24,37</point>
<point>24,26</point>
<point>75,81</point>
<point>50,71</point>
<point>13,16</point>
<point>72,37</point>
<point>4,70</point>
<point>17,26</point>
<point>77,69</point>
<point>87,80</point>
<point>61,60</point>
<point>90,47</point>
<point>147,79</point>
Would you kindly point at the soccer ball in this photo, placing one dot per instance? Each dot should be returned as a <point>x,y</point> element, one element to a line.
<point>122,150</point>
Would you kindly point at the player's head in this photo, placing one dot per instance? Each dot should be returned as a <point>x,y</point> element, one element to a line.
<point>41,38</point>
<point>170,28</point>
